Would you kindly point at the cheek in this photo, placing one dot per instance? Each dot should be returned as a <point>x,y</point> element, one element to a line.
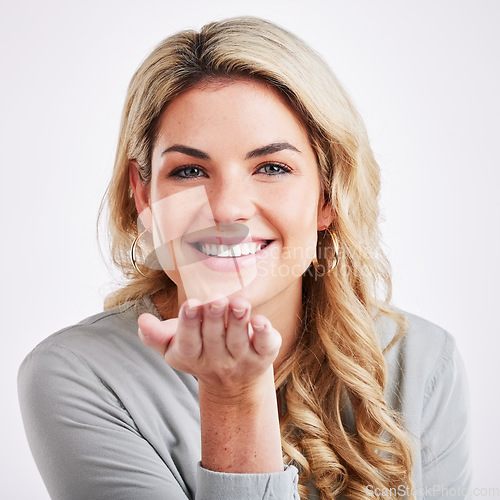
<point>177,214</point>
<point>299,210</point>
<point>297,227</point>
<point>301,225</point>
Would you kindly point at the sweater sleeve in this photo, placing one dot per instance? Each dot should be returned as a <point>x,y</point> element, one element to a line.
<point>224,486</point>
<point>445,436</point>
<point>86,444</point>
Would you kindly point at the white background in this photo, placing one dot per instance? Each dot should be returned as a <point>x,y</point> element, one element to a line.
<point>425,76</point>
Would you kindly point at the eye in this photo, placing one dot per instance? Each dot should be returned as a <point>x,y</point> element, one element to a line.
<point>273,169</point>
<point>187,172</point>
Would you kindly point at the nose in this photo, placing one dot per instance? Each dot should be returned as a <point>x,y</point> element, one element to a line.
<point>230,201</point>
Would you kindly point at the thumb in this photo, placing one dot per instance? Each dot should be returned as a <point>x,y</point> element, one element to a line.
<point>155,333</point>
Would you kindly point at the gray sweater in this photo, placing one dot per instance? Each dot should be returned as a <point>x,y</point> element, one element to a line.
<point>107,418</point>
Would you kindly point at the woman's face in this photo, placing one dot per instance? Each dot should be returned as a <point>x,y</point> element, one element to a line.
<point>234,201</point>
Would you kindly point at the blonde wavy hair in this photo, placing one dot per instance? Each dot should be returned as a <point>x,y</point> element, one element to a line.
<point>337,365</point>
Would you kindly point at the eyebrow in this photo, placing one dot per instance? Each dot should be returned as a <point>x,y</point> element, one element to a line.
<point>195,153</point>
<point>274,147</point>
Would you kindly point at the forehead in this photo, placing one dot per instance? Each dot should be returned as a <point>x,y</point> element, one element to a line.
<point>239,108</point>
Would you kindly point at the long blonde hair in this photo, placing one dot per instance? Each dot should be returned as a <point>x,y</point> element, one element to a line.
<point>337,365</point>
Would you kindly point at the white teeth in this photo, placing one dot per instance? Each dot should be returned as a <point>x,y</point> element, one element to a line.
<point>231,250</point>
<point>235,250</point>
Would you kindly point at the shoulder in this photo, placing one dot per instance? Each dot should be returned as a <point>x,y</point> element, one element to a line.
<point>423,343</point>
<point>102,347</point>
<point>433,348</point>
<point>425,357</point>
<point>102,361</point>
<point>425,372</point>
<point>109,332</point>
<point>79,343</point>
<point>98,327</point>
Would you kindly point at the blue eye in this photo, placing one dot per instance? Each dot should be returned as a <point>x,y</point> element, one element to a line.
<point>188,172</point>
<point>273,169</point>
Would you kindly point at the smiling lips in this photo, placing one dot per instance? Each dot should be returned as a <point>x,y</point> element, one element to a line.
<point>232,257</point>
<point>235,250</point>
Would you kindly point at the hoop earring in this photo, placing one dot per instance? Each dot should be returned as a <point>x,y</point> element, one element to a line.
<point>132,253</point>
<point>335,244</point>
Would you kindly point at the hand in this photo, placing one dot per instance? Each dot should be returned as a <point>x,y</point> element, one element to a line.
<point>219,343</point>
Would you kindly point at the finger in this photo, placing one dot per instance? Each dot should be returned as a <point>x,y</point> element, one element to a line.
<point>237,340</point>
<point>213,328</point>
<point>265,340</point>
<point>155,333</point>
<point>187,344</point>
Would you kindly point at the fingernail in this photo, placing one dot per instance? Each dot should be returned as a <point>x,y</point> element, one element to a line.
<point>214,307</point>
<point>191,312</point>
<point>141,334</point>
<point>259,327</point>
<point>239,313</point>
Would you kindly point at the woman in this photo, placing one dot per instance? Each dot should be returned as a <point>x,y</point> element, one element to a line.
<point>243,211</point>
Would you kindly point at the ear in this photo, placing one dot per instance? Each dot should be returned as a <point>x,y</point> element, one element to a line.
<point>325,214</point>
<point>141,194</point>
